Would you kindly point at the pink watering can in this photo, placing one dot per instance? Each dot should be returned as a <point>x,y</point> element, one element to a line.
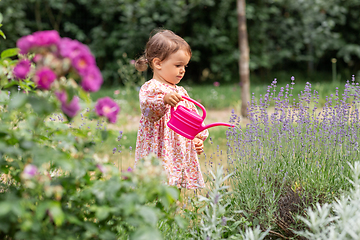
<point>188,123</point>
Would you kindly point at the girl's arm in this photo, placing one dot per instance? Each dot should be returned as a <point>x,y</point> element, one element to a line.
<point>152,102</point>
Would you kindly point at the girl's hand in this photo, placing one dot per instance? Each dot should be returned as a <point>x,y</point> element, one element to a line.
<point>172,98</point>
<point>199,145</point>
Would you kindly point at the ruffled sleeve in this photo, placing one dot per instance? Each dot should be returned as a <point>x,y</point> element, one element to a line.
<point>204,134</point>
<point>152,101</point>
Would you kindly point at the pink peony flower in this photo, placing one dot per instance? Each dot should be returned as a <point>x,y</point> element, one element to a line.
<point>30,171</point>
<point>216,84</point>
<point>92,79</point>
<point>38,39</point>
<point>117,92</point>
<point>108,108</point>
<point>46,38</point>
<point>69,108</point>
<point>25,43</point>
<point>44,77</point>
<point>82,62</point>
<point>132,62</point>
<point>72,48</point>
<point>22,69</point>
<point>37,58</point>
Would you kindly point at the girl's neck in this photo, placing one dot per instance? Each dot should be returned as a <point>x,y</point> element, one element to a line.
<point>163,81</point>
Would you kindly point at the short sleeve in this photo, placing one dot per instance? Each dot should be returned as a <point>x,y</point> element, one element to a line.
<point>152,101</point>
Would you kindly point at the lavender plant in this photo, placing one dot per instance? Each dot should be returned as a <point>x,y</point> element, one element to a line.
<point>294,147</point>
<point>213,213</point>
<point>338,220</point>
<point>215,220</point>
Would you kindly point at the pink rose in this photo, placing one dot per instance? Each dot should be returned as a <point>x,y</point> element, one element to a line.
<point>25,43</point>
<point>92,79</point>
<point>108,108</point>
<point>69,108</point>
<point>29,171</point>
<point>38,39</point>
<point>82,62</point>
<point>46,38</point>
<point>22,69</point>
<point>72,48</point>
<point>44,77</point>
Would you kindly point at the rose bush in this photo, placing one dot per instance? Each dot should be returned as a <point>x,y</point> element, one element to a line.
<point>53,184</point>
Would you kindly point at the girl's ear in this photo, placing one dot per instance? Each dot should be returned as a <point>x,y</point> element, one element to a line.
<point>156,63</point>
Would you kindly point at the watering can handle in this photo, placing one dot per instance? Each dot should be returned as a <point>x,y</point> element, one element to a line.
<point>198,104</point>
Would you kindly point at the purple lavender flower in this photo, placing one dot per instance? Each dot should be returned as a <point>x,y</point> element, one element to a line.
<point>216,199</point>
<point>92,79</point>
<point>44,77</point>
<point>129,169</point>
<point>30,171</point>
<point>69,108</point>
<point>22,69</point>
<point>108,108</point>
<point>223,221</point>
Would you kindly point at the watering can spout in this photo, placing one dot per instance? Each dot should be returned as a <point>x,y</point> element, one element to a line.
<point>216,124</point>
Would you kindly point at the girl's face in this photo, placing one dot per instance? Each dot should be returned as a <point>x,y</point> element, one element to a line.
<point>172,69</point>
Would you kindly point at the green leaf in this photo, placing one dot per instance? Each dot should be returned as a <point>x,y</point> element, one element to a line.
<point>149,215</point>
<point>4,225</point>
<point>10,84</point>
<point>5,208</point>
<point>41,105</point>
<point>102,212</point>
<point>57,213</point>
<point>17,101</point>
<point>108,235</point>
<point>181,222</point>
<point>2,34</point>
<point>146,233</point>
<point>26,144</point>
<point>84,96</point>
<point>9,53</point>
<point>41,210</point>
<point>4,97</point>
<point>104,135</point>
<point>73,219</point>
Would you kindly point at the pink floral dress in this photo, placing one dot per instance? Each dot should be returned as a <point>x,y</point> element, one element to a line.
<point>178,153</point>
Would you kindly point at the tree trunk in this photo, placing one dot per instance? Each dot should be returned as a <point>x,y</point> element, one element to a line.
<point>244,58</point>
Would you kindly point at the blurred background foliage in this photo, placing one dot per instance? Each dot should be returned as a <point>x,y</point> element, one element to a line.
<point>284,35</point>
